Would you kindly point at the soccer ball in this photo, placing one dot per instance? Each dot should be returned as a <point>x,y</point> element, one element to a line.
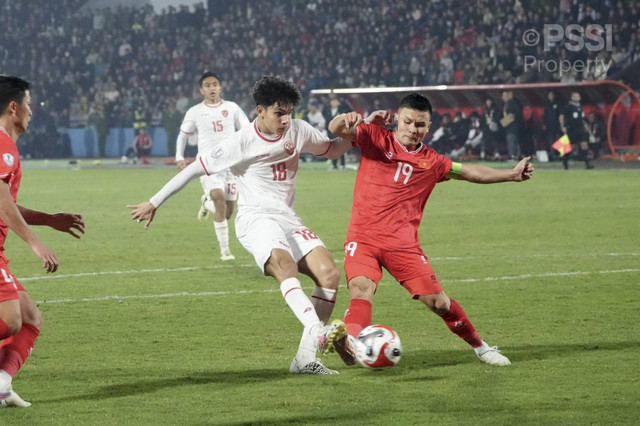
<point>378,346</point>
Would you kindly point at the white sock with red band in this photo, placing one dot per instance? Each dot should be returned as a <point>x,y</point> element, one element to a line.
<point>324,300</point>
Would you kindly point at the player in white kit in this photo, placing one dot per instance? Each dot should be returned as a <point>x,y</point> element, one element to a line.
<point>212,121</point>
<point>264,157</point>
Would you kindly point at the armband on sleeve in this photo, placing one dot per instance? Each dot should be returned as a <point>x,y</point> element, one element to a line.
<point>454,173</point>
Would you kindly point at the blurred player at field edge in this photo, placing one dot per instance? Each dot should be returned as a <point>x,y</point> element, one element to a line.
<point>264,156</point>
<point>20,319</point>
<point>212,121</point>
<point>396,176</point>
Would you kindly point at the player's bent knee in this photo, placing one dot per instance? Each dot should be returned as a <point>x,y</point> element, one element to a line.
<point>438,303</point>
<point>329,278</point>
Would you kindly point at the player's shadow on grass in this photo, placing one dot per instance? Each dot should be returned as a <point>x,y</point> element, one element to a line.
<point>229,378</point>
<point>517,354</point>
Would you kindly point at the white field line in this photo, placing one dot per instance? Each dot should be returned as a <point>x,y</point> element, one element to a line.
<point>228,266</point>
<point>223,293</point>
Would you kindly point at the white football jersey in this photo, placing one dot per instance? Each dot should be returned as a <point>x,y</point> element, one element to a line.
<point>265,166</point>
<point>212,123</point>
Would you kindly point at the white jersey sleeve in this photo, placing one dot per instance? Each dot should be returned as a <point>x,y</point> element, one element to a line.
<point>239,117</point>
<point>314,141</point>
<point>187,128</point>
<point>226,154</point>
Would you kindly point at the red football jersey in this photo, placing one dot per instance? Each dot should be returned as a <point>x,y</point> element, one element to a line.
<point>392,187</point>
<point>11,173</point>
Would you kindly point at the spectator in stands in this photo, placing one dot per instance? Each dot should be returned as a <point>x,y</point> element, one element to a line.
<point>335,108</point>
<point>474,140</point>
<point>572,123</point>
<point>492,132</point>
<point>140,148</point>
<point>597,133</point>
<point>443,138</point>
<point>512,122</point>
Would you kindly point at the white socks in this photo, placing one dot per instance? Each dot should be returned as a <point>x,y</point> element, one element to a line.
<point>222,232</point>
<point>324,300</point>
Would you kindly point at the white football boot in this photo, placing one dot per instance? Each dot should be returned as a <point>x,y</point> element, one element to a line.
<point>491,355</point>
<point>313,367</point>
<point>203,213</point>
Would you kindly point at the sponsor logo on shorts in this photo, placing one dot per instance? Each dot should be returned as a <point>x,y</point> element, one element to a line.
<point>289,147</point>
<point>282,243</point>
<point>217,152</point>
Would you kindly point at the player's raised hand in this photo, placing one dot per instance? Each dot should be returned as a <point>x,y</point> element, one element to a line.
<point>381,118</point>
<point>49,260</point>
<point>143,211</point>
<point>352,119</point>
<point>524,170</point>
<point>67,222</point>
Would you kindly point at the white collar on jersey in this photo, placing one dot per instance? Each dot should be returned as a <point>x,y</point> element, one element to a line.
<point>418,147</point>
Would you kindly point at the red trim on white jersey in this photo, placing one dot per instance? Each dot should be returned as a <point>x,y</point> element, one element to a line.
<point>187,133</point>
<point>203,166</point>
<point>415,151</point>
<point>322,155</point>
<point>255,127</point>
<point>214,105</point>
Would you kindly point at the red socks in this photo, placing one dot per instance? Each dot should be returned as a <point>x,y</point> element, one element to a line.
<point>459,323</point>
<point>15,350</point>
<point>358,316</point>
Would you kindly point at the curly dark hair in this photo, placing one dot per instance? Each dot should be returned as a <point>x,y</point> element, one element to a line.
<point>272,90</point>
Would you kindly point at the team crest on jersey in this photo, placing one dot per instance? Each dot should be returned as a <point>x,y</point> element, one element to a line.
<point>8,159</point>
<point>289,147</point>
<point>225,113</point>
<point>389,155</point>
<point>424,164</point>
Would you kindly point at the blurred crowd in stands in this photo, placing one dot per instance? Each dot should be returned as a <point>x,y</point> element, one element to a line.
<point>111,67</point>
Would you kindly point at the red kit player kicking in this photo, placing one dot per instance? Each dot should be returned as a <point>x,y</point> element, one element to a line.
<point>20,319</point>
<point>396,176</point>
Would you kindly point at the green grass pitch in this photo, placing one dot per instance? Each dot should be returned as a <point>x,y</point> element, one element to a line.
<point>151,328</point>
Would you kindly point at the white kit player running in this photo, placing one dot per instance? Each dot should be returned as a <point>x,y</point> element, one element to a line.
<point>264,157</point>
<point>212,121</point>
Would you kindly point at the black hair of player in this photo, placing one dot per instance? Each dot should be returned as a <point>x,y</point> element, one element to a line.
<point>12,89</point>
<point>416,101</point>
<point>206,75</point>
<point>271,90</point>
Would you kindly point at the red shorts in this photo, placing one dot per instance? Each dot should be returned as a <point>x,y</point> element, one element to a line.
<point>410,267</point>
<point>9,285</point>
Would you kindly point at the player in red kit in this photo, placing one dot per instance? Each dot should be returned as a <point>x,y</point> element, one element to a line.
<point>396,176</point>
<point>20,319</point>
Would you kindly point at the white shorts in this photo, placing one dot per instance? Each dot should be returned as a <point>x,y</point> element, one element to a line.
<point>224,181</point>
<point>261,233</point>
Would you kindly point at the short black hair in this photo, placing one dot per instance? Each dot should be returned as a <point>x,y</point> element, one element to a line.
<point>416,101</point>
<point>272,90</point>
<point>12,89</point>
<point>206,75</point>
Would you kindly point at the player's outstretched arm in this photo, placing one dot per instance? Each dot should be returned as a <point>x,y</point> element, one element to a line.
<point>70,223</point>
<point>10,214</point>
<point>147,210</point>
<point>481,174</point>
<point>344,125</point>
